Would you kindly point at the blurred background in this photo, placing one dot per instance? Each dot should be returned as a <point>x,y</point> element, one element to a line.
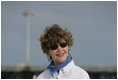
<point>92,23</point>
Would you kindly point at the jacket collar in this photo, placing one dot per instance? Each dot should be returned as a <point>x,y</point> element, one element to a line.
<point>57,68</point>
<point>68,67</point>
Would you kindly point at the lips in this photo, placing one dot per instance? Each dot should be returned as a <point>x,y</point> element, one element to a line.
<point>60,54</point>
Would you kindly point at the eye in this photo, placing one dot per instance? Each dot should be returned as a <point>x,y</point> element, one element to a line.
<point>64,44</point>
<point>54,47</point>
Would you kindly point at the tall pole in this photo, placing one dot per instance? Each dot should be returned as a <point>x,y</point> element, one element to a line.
<point>28,15</point>
<point>28,41</point>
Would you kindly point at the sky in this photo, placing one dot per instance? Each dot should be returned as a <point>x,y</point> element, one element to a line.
<point>92,24</point>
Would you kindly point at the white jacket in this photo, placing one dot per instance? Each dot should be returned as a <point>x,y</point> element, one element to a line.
<point>70,71</point>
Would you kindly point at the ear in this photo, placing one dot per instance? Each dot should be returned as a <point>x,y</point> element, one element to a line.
<point>49,58</point>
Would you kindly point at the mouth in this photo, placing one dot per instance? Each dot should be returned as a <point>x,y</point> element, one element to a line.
<point>60,54</point>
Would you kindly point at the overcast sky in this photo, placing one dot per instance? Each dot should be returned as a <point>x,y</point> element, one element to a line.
<point>93,25</point>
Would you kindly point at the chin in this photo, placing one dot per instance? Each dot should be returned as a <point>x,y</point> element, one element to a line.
<point>62,60</point>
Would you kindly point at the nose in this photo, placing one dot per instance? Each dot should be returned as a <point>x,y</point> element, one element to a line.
<point>59,48</point>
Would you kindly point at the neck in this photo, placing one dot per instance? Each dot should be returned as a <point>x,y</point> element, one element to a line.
<point>57,63</point>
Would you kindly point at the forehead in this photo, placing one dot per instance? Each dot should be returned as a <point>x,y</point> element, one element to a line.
<point>62,40</point>
<point>53,42</point>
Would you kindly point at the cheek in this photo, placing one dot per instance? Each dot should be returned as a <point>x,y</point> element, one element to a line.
<point>52,53</point>
<point>66,49</point>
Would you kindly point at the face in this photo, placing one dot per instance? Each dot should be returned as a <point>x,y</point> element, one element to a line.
<point>59,53</point>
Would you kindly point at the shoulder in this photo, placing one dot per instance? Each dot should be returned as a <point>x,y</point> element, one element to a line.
<point>44,75</point>
<point>75,71</point>
<point>81,72</point>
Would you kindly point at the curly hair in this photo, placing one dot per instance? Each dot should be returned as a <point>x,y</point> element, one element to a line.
<point>54,34</point>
